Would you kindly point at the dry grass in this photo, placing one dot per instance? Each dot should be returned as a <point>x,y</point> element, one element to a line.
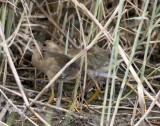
<point>127,30</point>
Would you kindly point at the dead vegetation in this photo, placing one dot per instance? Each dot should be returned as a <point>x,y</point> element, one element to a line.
<point>115,43</point>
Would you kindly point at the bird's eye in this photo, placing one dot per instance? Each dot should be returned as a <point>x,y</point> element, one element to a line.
<point>44,44</point>
<point>32,46</point>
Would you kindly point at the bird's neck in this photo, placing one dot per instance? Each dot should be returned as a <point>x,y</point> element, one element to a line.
<point>37,60</point>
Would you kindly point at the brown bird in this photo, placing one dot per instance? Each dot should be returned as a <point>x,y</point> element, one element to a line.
<point>97,61</point>
<point>51,62</point>
<point>97,57</point>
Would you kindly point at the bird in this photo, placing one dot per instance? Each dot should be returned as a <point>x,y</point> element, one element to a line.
<point>97,61</point>
<point>51,62</point>
<point>97,57</point>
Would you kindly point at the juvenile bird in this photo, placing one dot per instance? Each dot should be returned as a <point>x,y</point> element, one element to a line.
<point>97,58</point>
<point>97,62</point>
